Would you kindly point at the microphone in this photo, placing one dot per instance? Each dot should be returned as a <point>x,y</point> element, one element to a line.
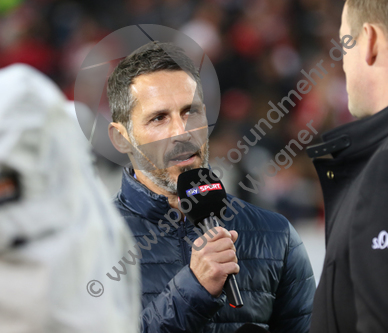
<point>251,328</point>
<point>201,203</point>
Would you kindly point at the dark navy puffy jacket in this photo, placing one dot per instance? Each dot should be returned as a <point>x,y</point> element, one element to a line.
<point>275,279</point>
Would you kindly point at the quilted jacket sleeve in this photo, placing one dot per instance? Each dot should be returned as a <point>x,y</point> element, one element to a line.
<point>294,298</point>
<point>184,306</point>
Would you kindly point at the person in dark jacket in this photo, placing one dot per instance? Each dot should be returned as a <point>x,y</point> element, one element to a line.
<point>352,295</point>
<point>154,100</point>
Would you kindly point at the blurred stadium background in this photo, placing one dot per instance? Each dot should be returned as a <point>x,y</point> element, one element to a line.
<point>258,48</point>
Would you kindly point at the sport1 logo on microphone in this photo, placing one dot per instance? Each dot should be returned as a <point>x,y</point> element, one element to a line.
<point>203,188</point>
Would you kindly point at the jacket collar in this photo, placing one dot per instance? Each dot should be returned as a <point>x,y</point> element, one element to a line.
<point>140,200</point>
<point>356,136</point>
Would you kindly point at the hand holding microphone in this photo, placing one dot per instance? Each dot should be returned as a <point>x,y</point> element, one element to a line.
<point>216,260</point>
<point>202,197</point>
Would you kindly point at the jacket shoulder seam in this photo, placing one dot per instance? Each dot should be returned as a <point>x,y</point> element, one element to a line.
<point>298,281</point>
<point>294,247</point>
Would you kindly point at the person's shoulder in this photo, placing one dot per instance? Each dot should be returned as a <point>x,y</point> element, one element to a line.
<point>256,225</point>
<point>117,202</point>
<point>374,178</point>
<point>136,222</point>
<point>382,152</point>
<point>377,164</point>
<point>257,218</point>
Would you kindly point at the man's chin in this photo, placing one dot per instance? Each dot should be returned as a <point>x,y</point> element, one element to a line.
<point>167,178</point>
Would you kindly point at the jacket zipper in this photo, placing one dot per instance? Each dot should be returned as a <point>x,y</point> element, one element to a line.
<point>184,246</point>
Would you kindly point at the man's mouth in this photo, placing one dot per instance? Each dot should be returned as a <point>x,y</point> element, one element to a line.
<point>183,157</point>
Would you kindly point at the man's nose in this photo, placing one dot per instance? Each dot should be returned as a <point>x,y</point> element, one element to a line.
<point>178,131</point>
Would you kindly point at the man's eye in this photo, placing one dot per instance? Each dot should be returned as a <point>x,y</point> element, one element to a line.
<point>192,111</point>
<point>158,118</point>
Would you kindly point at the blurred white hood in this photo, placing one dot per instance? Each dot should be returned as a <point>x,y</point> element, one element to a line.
<point>72,232</point>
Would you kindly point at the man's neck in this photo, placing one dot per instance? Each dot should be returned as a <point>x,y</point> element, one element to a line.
<point>172,198</point>
<point>376,92</point>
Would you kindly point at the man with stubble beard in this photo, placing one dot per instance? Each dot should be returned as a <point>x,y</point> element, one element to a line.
<point>159,120</point>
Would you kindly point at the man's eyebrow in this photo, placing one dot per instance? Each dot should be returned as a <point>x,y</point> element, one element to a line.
<point>191,105</point>
<point>164,111</point>
<point>156,113</point>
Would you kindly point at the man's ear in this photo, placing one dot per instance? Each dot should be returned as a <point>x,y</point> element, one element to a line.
<point>370,33</point>
<point>119,138</point>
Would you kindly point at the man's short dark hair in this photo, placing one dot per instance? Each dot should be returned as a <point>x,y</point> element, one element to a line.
<point>149,58</point>
<point>370,11</point>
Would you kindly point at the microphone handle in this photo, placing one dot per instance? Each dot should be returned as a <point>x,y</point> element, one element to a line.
<point>230,287</point>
